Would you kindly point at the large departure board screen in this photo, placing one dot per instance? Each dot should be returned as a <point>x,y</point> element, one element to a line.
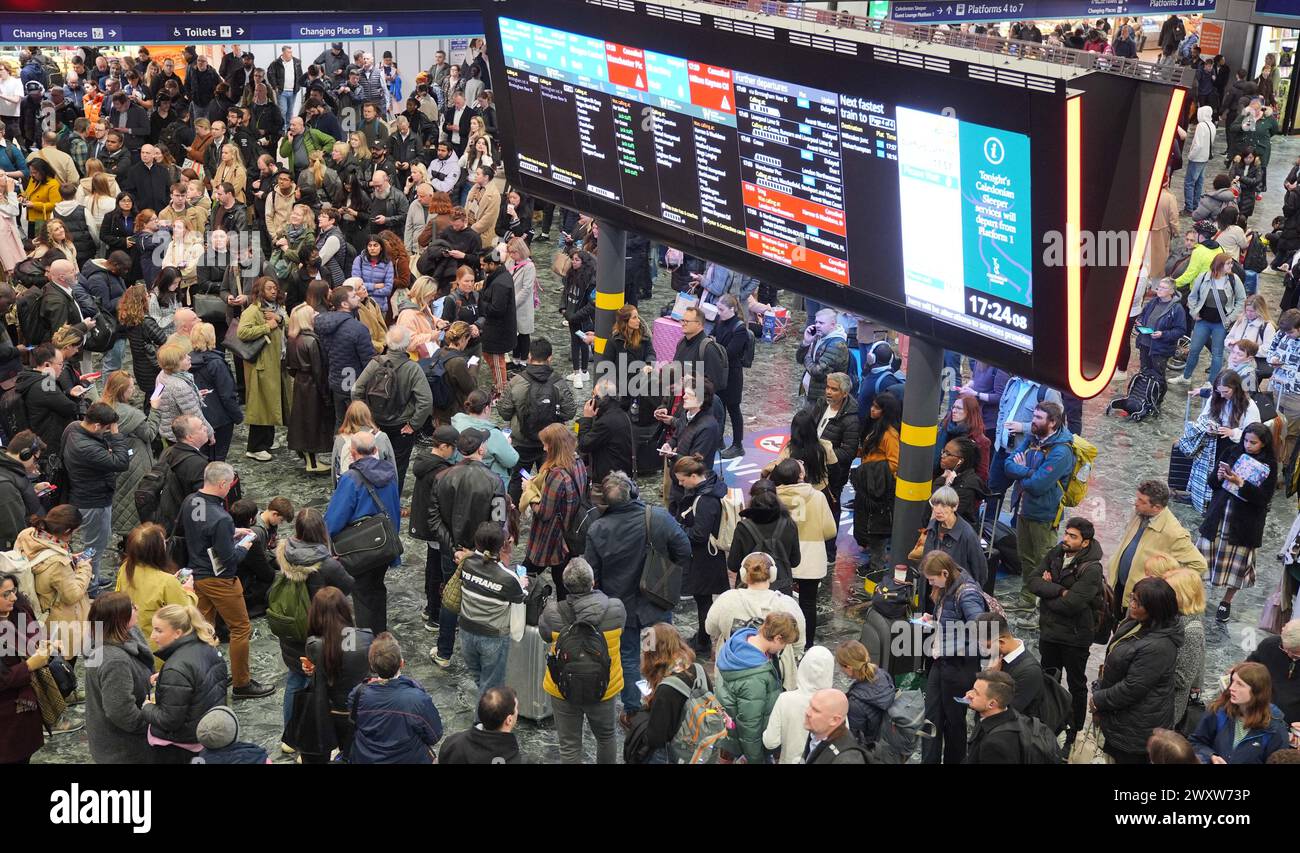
<point>816,179</point>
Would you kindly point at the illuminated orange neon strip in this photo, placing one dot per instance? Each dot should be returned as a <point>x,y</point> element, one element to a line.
<point>1081,385</point>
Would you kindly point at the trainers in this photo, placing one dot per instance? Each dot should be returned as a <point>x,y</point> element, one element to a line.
<point>1223,611</point>
<point>430,623</point>
<point>286,749</point>
<point>1178,379</point>
<point>260,456</point>
<point>543,237</point>
<point>253,690</point>
<point>1120,376</point>
<point>440,662</point>
<point>732,452</point>
<point>67,726</point>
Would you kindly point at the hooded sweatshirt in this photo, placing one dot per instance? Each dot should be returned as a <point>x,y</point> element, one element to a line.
<point>501,456</point>
<point>785,729</point>
<point>748,686</point>
<point>812,514</point>
<point>310,562</point>
<point>737,608</point>
<point>1200,150</point>
<point>868,702</point>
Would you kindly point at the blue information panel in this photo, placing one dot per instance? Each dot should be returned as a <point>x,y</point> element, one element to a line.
<point>931,12</point>
<point>1288,8</point>
<point>192,29</point>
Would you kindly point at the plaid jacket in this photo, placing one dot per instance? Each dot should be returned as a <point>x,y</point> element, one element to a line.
<point>560,492</point>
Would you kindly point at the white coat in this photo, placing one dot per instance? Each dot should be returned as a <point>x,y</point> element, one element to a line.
<point>785,727</point>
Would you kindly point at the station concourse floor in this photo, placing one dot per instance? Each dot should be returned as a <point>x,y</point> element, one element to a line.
<point>1128,454</point>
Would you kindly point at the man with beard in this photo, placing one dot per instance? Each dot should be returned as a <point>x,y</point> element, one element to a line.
<point>1039,469</point>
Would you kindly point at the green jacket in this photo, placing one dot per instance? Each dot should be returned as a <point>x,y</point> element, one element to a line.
<point>313,139</point>
<point>748,694</point>
<point>1198,263</point>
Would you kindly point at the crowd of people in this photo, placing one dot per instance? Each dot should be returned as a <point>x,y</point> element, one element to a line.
<point>207,248</point>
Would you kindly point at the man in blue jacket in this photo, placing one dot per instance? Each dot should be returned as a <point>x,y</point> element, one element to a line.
<point>1015,411</point>
<point>1043,461</point>
<point>368,478</point>
<point>348,348</point>
<point>617,548</point>
<point>395,718</point>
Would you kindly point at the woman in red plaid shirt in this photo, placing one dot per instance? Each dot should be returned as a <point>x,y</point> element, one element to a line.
<point>564,478</point>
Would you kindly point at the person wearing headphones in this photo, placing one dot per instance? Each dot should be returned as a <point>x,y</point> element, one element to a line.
<point>19,493</point>
<point>747,606</point>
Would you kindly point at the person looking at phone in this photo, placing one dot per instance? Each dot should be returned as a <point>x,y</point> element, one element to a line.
<point>49,409</point>
<point>20,493</point>
<point>94,453</point>
<point>214,549</point>
<point>1160,325</point>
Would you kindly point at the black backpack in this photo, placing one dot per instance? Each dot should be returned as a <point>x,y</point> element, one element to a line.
<point>13,413</point>
<point>575,535</point>
<point>747,354</point>
<point>710,342</point>
<point>1055,706</point>
<point>28,306</point>
<point>436,373</point>
<point>541,407</point>
<point>1037,742</point>
<point>149,492</point>
<point>381,392</point>
<point>579,662</point>
<point>773,547</point>
<point>1146,393</point>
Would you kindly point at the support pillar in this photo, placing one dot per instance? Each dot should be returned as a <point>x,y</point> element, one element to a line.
<point>916,445</point>
<point>610,271</point>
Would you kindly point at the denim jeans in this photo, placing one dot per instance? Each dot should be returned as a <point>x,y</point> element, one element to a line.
<point>485,657</point>
<point>285,100</point>
<point>293,685</point>
<point>630,652</point>
<point>1193,183</point>
<point>96,527</point>
<point>1206,333</point>
<point>446,618</point>
<point>113,358</point>
<point>568,730</point>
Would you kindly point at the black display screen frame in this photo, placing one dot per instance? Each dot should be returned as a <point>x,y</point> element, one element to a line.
<point>1040,115</point>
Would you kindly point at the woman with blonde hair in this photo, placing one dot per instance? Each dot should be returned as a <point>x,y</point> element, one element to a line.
<point>176,392</point>
<point>414,315</point>
<point>12,251</point>
<point>143,334</point>
<point>86,186</point>
<point>357,419</point>
<point>63,580</point>
<point>1189,666</point>
<point>267,394</point>
<point>52,242</point>
<point>460,379</point>
<point>99,202</point>
<point>140,432</point>
<point>311,418</point>
<point>192,682</point>
<point>319,178</point>
<point>419,174</point>
<point>871,692</point>
<point>563,480</point>
<point>184,252</point>
<point>527,297</point>
<point>216,384</point>
<point>1159,565</point>
<point>231,168</point>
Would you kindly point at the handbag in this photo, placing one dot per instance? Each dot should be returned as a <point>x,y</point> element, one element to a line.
<point>561,263</point>
<point>104,334</point>
<point>64,676</point>
<point>51,702</point>
<point>368,543</point>
<point>1089,747</point>
<point>211,309</point>
<point>1266,404</point>
<point>246,350</point>
<point>918,550</point>
<point>451,592</point>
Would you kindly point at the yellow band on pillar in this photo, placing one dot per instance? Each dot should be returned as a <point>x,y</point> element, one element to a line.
<point>919,436</point>
<point>609,301</point>
<point>910,490</point>
<point>599,345</point>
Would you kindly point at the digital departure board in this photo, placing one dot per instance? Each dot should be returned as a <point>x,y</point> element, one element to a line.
<point>787,171</point>
<point>942,191</point>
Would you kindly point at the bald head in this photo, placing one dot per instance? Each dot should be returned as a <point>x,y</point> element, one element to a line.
<point>826,712</point>
<point>185,320</point>
<point>62,272</point>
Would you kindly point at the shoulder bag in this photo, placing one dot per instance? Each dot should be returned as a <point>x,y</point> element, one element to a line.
<point>245,350</point>
<point>369,543</point>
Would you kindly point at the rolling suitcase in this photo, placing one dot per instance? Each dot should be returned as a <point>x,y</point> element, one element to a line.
<point>1180,464</point>
<point>525,669</point>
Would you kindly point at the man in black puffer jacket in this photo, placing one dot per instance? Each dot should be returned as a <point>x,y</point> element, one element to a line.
<point>93,455</point>
<point>1069,589</point>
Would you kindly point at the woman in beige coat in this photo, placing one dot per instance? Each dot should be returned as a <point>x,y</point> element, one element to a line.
<point>812,515</point>
<point>61,582</point>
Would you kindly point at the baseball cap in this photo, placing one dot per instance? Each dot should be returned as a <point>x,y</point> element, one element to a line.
<point>470,441</point>
<point>446,434</point>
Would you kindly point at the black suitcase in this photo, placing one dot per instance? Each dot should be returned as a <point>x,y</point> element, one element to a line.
<point>649,439</point>
<point>1180,470</point>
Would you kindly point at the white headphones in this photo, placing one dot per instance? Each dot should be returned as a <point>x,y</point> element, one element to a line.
<point>771,566</point>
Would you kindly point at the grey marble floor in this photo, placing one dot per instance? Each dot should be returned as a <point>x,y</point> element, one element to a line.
<point>1128,455</point>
